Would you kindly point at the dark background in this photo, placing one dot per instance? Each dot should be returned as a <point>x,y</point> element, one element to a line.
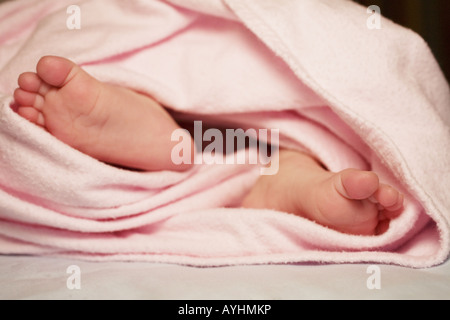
<point>429,18</point>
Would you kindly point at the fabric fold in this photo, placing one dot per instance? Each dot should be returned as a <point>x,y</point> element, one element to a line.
<point>353,97</point>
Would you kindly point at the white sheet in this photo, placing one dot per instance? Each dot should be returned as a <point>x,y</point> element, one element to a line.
<point>46,278</point>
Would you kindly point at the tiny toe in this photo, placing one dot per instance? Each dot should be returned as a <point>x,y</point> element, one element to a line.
<point>388,196</point>
<point>398,205</point>
<point>382,227</point>
<point>29,81</point>
<point>390,214</point>
<point>395,210</point>
<point>26,98</point>
<point>32,115</point>
<point>356,184</point>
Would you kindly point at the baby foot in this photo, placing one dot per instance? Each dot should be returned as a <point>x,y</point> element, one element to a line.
<point>351,201</point>
<point>110,123</point>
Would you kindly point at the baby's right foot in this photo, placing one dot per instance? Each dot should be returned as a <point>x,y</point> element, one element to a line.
<point>351,201</point>
<point>112,124</point>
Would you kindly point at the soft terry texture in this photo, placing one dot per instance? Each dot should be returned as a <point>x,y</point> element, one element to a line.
<point>354,97</point>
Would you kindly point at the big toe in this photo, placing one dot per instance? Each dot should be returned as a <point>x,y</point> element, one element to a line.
<point>356,184</point>
<point>55,71</point>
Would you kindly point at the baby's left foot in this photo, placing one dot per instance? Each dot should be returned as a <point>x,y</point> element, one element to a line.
<point>351,201</point>
<point>112,124</point>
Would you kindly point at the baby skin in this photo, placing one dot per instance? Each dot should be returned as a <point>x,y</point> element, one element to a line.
<point>122,127</point>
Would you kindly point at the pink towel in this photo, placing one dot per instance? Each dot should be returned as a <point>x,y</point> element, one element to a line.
<point>353,96</point>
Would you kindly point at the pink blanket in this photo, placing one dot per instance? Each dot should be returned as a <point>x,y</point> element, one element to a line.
<point>355,97</point>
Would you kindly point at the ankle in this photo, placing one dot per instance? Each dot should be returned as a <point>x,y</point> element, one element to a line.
<point>295,158</point>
